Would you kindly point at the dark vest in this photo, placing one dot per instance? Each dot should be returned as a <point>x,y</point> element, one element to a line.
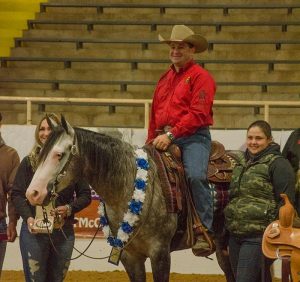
<point>252,203</point>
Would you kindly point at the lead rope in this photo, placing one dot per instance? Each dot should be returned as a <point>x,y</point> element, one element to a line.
<point>46,220</point>
<point>45,215</point>
<point>99,225</point>
<point>83,253</point>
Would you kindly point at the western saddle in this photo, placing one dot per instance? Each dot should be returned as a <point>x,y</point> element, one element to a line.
<point>177,194</point>
<point>282,241</point>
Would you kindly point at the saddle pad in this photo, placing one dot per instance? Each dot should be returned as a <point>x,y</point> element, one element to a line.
<point>169,191</point>
<point>220,196</point>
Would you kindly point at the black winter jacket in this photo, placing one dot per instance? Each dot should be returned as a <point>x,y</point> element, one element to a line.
<point>291,150</point>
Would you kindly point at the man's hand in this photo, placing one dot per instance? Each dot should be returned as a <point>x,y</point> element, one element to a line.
<point>162,142</point>
<point>11,232</point>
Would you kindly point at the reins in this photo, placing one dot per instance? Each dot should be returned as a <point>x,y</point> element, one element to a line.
<point>45,215</point>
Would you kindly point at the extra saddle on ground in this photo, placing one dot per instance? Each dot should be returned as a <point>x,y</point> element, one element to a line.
<point>281,240</point>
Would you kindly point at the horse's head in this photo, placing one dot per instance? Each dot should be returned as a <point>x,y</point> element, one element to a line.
<point>54,160</point>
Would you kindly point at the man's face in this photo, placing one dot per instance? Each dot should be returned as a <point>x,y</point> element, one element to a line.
<point>180,53</point>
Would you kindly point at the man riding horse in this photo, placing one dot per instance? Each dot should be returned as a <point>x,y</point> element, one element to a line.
<point>182,113</point>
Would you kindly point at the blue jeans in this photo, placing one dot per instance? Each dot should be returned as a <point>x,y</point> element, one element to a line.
<point>195,155</point>
<point>3,228</point>
<point>41,262</point>
<point>247,259</point>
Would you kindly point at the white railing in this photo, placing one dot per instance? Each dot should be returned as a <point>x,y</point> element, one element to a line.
<point>140,102</point>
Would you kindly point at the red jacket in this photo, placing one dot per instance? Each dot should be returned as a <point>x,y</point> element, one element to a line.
<point>183,101</point>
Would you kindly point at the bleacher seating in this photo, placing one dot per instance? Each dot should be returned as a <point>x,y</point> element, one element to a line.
<point>110,50</point>
<point>225,7</point>
<point>79,42</point>
<point>135,62</point>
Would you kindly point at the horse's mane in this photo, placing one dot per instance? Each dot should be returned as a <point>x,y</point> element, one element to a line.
<point>110,160</point>
<point>109,157</point>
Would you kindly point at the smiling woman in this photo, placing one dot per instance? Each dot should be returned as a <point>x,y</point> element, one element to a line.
<point>259,177</point>
<point>46,257</point>
<point>259,137</point>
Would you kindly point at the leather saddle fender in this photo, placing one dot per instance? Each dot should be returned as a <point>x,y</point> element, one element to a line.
<point>220,164</point>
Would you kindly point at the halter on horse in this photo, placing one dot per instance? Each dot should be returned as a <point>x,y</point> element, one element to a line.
<point>109,165</point>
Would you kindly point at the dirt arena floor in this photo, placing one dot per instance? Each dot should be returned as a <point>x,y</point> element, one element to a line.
<point>117,276</point>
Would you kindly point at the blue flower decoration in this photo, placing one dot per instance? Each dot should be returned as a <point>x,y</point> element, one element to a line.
<point>140,184</point>
<point>115,242</point>
<point>118,243</point>
<point>142,163</point>
<point>110,240</point>
<point>103,221</point>
<point>126,227</point>
<point>135,207</point>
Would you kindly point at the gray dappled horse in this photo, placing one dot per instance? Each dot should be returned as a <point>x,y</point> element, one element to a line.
<point>109,165</point>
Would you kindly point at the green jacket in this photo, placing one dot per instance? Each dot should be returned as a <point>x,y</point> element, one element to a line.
<point>252,205</point>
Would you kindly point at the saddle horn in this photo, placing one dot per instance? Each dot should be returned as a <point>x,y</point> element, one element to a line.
<point>286,212</point>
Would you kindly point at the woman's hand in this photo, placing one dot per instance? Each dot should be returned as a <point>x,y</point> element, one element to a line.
<point>61,211</point>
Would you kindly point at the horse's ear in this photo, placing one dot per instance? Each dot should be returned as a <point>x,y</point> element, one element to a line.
<point>64,124</point>
<point>49,121</point>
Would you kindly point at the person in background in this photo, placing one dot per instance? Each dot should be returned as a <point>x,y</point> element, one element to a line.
<point>182,113</point>
<point>46,257</point>
<point>9,162</point>
<point>259,177</point>
<point>291,151</point>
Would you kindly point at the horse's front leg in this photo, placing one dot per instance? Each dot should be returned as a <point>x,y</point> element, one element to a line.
<point>160,263</point>
<point>134,266</point>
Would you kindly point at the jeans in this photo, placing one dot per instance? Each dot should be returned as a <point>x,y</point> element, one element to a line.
<point>41,262</point>
<point>195,155</point>
<point>247,259</point>
<point>3,228</point>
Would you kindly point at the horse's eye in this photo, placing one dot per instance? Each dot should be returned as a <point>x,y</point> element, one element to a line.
<point>60,155</point>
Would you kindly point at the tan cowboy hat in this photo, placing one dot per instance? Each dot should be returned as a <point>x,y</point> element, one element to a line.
<point>181,33</point>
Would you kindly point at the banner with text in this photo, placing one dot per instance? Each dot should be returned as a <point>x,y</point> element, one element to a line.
<point>87,225</point>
